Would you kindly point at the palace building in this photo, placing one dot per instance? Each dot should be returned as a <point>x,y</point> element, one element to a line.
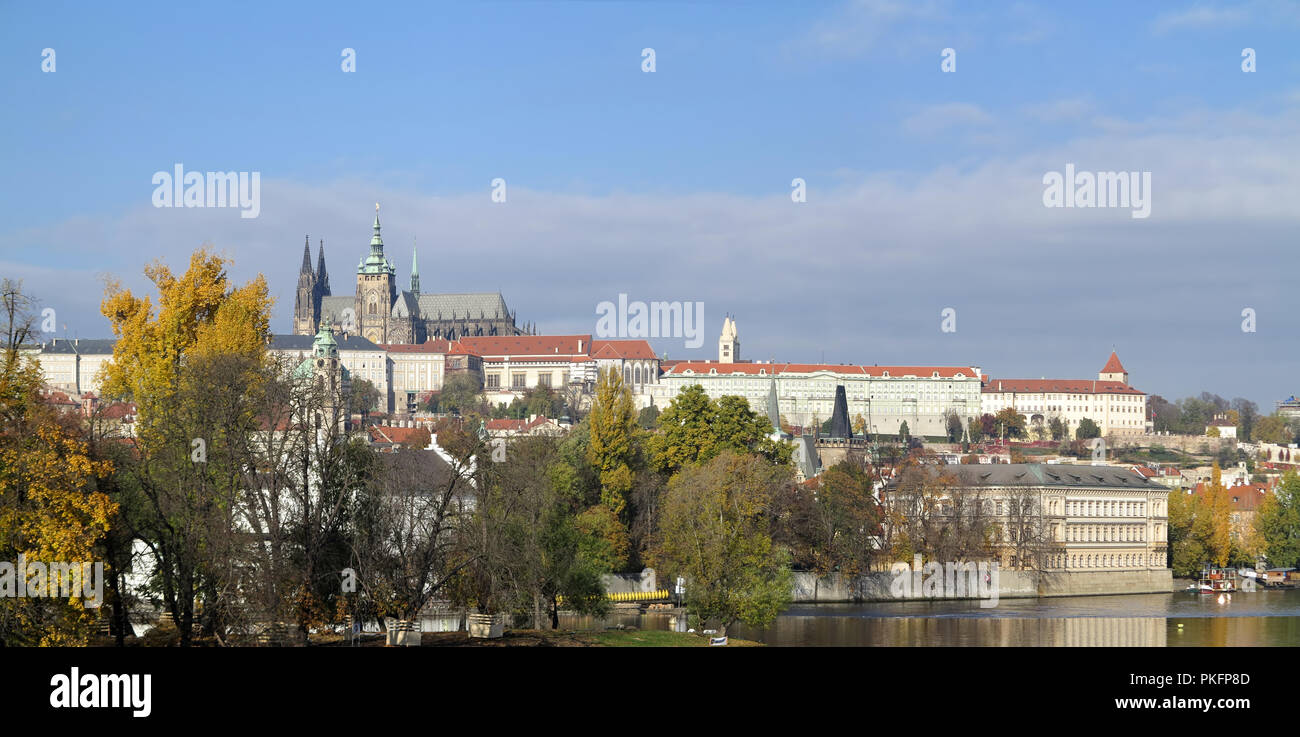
<point>1117,408</point>
<point>878,399</point>
<point>383,313</point>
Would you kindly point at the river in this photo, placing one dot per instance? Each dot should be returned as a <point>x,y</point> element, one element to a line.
<point>1260,618</point>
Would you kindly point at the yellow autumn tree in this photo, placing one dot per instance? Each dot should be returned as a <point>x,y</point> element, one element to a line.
<point>1220,519</point>
<point>199,315</point>
<point>50,508</point>
<point>189,361</point>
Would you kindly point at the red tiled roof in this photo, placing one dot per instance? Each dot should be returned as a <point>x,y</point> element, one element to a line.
<point>1066,386</point>
<point>678,368</point>
<point>506,424</point>
<point>57,397</point>
<point>459,349</point>
<point>118,410</point>
<point>1113,366</point>
<point>1243,498</point>
<point>528,345</point>
<point>539,420</point>
<point>1145,472</point>
<point>392,434</point>
<point>621,349</point>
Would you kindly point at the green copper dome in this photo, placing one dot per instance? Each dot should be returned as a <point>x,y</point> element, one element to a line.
<point>375,263</point>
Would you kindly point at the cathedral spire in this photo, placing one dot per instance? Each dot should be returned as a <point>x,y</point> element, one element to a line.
<point>375,263</point>
<point>306,255</point>
<point>322,277</point>
<point>376,242</point>
<point>415,270</point>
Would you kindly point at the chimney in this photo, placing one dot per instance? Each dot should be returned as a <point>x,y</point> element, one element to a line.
<point>580,345</point>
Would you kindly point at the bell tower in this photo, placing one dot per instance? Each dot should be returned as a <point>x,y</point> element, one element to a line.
<point>376,290</point>
<point>728,342</point>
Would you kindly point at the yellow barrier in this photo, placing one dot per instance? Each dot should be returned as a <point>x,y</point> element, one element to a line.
<point>633,596</point>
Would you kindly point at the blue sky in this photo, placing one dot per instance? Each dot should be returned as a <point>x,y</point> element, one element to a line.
<point>924,188</point>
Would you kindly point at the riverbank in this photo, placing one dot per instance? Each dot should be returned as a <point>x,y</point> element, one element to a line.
<point>561,638</point>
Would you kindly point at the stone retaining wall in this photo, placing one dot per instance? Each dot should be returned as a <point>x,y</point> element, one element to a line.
<point>808,587</point>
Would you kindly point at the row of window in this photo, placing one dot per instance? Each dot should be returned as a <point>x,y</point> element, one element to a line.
<point>1112,560</point>
<point>1102,508</point>
<point>1105,533</point>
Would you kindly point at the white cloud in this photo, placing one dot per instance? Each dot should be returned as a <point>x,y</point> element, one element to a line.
<point>1059,110</point>
<point>1202,16</point>
<point>944,116</point>
<point>860,271</point>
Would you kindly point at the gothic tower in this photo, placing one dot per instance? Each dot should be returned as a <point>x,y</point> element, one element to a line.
<point>376,290</point>
<point>306,305</point>
<point>322,278</point>
<point>728,342</point>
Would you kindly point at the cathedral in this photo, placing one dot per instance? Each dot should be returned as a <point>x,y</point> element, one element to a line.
<point>382,313</point>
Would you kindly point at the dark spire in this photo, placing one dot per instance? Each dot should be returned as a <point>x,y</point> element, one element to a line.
<point>322,277</point>
<point>306,255</point>
<point>773,407</point>
<point>840,427</point>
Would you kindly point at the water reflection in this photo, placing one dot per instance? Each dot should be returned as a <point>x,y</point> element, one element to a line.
<point>1265,618</point>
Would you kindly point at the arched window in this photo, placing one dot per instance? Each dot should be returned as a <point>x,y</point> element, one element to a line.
<point>636,373</point>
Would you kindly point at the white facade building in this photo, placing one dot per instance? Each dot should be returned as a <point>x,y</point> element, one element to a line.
<point>884,397</point>
<point>1117,408</point>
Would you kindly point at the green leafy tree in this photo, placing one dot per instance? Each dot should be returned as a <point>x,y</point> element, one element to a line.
<point>1272,429</point>
<point>1009,423</point>
<point>460,393</point>
<point>1187,550</point>
<point>696,429</point>
<point>364,397</point>
<point>1057,428</point>
<point>1087,430</point>
<point>611,426</point>
<point>685,434</point>
<point>836,522</point>
<point>716,532</point>
<point>1277,523</point>
<point>648,418</point>
<point>953,426</point>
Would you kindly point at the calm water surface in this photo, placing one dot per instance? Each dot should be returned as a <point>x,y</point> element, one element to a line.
<point>1261,618</point>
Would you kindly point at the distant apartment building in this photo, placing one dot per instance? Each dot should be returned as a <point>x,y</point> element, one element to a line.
<point>1117,408</point>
